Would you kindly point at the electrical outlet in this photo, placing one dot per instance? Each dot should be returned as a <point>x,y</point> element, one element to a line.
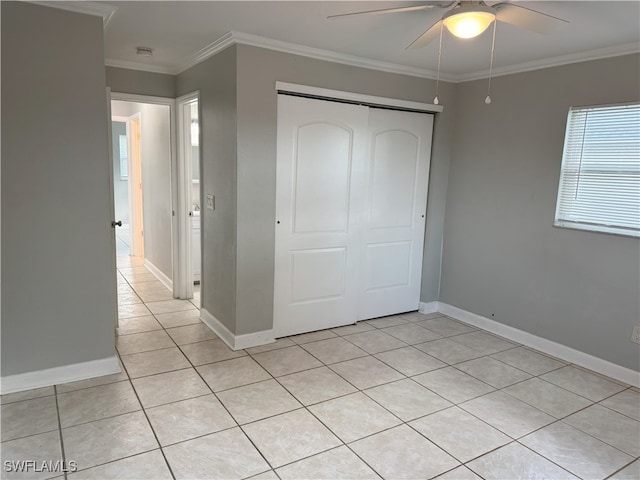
<point>211,202</point>
<point>635,336</point>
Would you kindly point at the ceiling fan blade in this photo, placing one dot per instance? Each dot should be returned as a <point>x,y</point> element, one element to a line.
<point>526,18</point>
<point>426,38</point>
<point>386,10</point>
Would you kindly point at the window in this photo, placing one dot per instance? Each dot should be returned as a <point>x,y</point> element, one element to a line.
<point>124,161</point>
<point>600,178</point>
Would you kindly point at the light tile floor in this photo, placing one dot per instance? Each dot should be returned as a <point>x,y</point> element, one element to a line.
<point>407,396</point>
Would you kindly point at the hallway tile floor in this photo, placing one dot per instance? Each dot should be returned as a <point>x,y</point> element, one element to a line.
<point>407,396</point>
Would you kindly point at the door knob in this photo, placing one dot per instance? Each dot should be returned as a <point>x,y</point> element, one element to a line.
<point>114,223</point>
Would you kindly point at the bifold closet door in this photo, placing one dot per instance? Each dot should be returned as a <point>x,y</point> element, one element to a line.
<point>399,153</point>
<point>321,167</point>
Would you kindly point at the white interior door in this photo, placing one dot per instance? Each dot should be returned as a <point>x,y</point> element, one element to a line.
<point>319,202</point>
<point>398,176</point>
<point>112,213</point>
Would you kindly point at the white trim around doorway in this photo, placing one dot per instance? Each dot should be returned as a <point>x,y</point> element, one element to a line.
<point>171,103</point>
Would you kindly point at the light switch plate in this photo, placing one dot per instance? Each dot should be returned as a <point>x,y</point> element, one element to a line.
<point>211,202</point>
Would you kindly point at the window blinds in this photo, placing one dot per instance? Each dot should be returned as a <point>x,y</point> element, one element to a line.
<point>600,179</point>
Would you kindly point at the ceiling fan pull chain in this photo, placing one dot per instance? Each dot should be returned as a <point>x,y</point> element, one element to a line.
<point>436,101</point>
<point>493,45</point>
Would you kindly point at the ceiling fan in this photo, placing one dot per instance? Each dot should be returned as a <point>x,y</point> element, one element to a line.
<point>468,19</point>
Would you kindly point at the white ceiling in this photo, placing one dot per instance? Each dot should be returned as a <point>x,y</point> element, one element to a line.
<point>179,31</point>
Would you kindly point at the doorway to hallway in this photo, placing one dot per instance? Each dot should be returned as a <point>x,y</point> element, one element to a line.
<point>142,163</point>
<point>189,197</point>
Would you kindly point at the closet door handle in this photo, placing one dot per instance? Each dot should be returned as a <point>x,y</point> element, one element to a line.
<point>114,223</point>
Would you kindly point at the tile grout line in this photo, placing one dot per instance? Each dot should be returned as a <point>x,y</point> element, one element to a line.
<point>452,405</point>
<point>148,423</point>
<point>547,459</point>
<point>62,451</point>
<point>599,402</point>
<point>497,389</point>
<point>358,390</point>
<point>555,420</point>
<point>26,399</point>
<point>126,457</point>
<point>571,391</point>
<point>589,434</point>
<point>26,436</point>
<point>633,460</point>
<point>271,468</point>
<point>215,396</point>
<point>144,410</point>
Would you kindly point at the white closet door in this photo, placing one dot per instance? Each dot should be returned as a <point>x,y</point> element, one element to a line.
<point>319,202</point>
<point>398,175</point>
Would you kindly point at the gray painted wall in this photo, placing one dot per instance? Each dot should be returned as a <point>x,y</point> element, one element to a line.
<point>216,80</point>
<point>120,186</point>
<point>503,258</point>
<point>58,268</point>
<point>238,102</point>
<point>123,80</point>
<point>258,70</point>
<point>155,150</point>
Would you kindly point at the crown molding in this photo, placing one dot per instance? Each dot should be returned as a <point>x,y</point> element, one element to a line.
<point>330,56</point>
<point>215,47</point>
<point>234,38</point>
<point>143,67</point>
<point>238,38</point>
<point>88,8</point>
<point>600,53</point>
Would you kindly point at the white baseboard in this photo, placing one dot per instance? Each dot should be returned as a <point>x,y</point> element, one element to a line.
<point>218,328</point>
<point>58,375</point>
<point>428,307</point>
<point>255,339</point>
<point>549,347</point>
<point>236,342</point>
<point>166,281</point>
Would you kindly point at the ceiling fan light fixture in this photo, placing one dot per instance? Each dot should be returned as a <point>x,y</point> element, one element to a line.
<point>469,22</point>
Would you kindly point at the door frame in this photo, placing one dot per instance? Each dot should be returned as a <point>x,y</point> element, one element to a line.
<point>171,103</point>
<point>184,183</point>
<point>134,161</point>
<point>357,98</point>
